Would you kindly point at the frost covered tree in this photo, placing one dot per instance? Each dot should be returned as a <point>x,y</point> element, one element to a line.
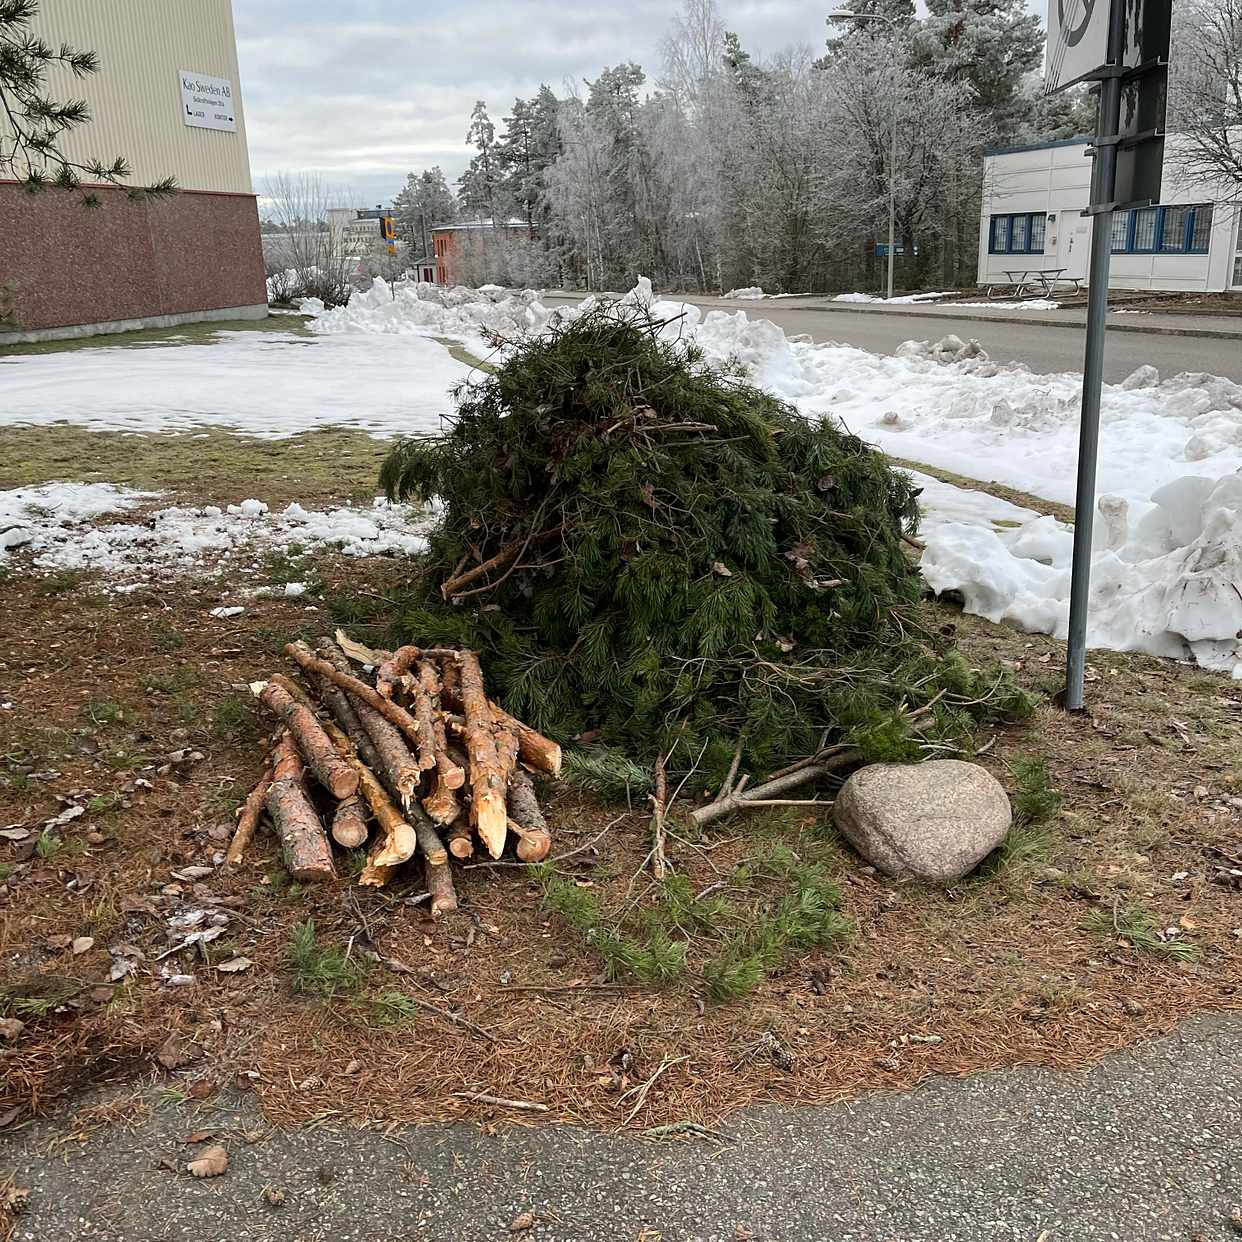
<point>423,202</point>
<point>33,125</point>
<point>1205,92</point>
<point>480,183</point>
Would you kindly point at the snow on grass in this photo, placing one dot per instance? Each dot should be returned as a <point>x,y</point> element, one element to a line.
<point>269,384</point>
<point>57,527</point>
<point>1043,304</point>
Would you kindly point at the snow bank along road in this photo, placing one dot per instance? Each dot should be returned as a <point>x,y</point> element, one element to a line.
<point>1168,560</point>
<point>1042,347</point>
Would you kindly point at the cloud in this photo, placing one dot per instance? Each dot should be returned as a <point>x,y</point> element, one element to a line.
<point>362,93</point>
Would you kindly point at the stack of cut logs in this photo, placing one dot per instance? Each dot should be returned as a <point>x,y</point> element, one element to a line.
<point>424,752</point>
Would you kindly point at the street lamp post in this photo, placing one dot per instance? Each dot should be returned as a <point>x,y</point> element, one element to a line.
<point>844,15</point>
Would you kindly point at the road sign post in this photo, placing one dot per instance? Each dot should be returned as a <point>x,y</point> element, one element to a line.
<point>1129,41</point>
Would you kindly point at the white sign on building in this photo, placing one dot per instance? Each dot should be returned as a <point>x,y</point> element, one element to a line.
<point>1077,41</point>
<point>207,103</point>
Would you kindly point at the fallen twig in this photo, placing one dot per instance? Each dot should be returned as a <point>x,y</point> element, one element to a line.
<point>481,1097</point>
<point>643,1091</point>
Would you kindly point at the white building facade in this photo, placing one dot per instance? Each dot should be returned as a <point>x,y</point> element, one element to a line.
<point>1033,199</point>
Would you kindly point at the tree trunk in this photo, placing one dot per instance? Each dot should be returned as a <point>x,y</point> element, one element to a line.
<point>398,841</point>
<point>487,778</point>
<point>394,671</point>
<point>338,703</point>
<point>330,770</point>
<point>428,839</point>
<point>451,776</point>
<point>526,819</point>
<point>308,856</point>
<point>460,838</point>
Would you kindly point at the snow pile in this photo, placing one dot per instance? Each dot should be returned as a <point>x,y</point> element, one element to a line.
<point>415,306</point>
<point>1164,579</point>
<point>907,299</point>
<point>1032,304</point>
<point>752,293</point>
<point>50,525</point>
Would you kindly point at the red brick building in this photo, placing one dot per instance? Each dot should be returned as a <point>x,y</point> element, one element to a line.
<point>167,98</point>
<point>464,251</point>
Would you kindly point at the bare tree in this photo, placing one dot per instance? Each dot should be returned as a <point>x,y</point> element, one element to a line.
<point>1205,93</point>
<point>307,257</point>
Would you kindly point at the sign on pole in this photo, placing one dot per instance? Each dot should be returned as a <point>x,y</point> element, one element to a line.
<point>207,102</point>
<point>1077,42</point>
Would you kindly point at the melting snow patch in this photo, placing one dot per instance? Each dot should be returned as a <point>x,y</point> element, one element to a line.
<point>49,525</point>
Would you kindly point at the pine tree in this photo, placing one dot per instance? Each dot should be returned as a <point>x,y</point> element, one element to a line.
<point>424,202</point>
<point>480,182</point>
<point>34,125</point>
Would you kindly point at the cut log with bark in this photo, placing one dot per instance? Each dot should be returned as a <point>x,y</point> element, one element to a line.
<point>526,819</point>
<point>441,804</point>
<point>487,776</point>
<point>452,775</point>
<point>351,685</point>
<point>391,759</point>
<point>424,695</point>
<point>394,673</point>
<point>342,708</point>
<point>398,840</point>
<point>429,840</point>
<point>439,878</point>
<point>307,854</point>
<point>330,770</point>
<point>459,838</point>
<point>659,808</point>
<point>349,823</point>
<point>248,818</point>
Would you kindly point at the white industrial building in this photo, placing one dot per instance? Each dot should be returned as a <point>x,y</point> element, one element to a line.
<point>1033,199</point>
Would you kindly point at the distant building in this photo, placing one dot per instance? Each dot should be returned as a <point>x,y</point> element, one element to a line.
<point>460,247</point>
<point>167,97</point>
<point>359,230</point>
<point>1033,199</point>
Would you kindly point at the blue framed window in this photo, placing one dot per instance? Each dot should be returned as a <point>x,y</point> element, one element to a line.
<point>1018,233</point>
<point>1183,229</point>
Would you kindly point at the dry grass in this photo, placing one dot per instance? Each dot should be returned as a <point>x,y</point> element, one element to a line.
<point>1038,959</point>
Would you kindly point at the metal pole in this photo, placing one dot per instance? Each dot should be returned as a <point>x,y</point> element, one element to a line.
<point>1103,193</point>
<point>892,198</point>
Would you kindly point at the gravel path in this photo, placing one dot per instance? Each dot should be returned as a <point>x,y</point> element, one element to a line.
<point>1145,1146</point>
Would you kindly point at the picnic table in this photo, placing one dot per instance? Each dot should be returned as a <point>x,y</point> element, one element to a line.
<point>1042,280</point>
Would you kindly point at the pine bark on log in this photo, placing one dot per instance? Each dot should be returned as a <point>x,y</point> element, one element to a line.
<point>385,751</point>
<point>248,818</point>
<point>439,878</point>
<point>349,823</point>
<point>290,686</point>
<point>429,840</point>
<point>425,710</point>
<point>526,818</point>
<point>459,838</point>
<point>339,703</point>
<point>395,671</point>
<point>537,751</point>
<point>441,804</point>
<point>452,775</point>
<point>307,854</point>
<point>360,690</point>
<point>487,777</point>
<point>330,770</point>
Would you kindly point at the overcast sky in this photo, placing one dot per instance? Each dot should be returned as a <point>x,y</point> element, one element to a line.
<point>363,92</point>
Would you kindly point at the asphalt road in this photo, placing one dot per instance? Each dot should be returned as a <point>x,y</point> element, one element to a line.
<point>1144,1147</point>
<point>1045,348</point>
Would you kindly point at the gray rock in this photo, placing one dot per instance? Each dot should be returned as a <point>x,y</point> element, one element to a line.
<point>931,821</point>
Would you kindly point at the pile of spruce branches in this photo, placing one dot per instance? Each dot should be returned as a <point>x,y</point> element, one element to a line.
<point>654,554</point>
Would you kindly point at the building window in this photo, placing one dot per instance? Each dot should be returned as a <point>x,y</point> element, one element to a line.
<point>1163,230</point>
<point>1022,233</point>
<point>1121,231</point>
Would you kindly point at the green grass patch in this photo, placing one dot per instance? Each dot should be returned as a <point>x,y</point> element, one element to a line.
<point>1036,805</point>
<point>1138,927</point>
<point>207,333</point>
<point>234,718</point>
<point>173,681</point>
<point>788,906</point>
<point>320,970</point>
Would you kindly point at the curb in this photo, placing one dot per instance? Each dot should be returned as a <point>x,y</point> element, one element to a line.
<point>973,316</point>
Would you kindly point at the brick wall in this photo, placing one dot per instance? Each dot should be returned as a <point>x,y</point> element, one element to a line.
<point>66,264</point>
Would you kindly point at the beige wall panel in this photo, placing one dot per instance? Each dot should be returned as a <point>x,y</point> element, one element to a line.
<point>135,98</point>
